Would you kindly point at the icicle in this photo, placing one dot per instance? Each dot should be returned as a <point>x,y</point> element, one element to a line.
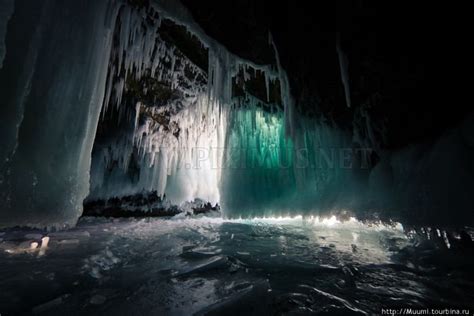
<point>286,97</point>
<point>267,86</point>
<point>344,65</point>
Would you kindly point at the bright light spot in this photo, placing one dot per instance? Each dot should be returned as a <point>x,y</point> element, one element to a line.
<point>399,226</point>
<point>333,222</point>
<point>446,240</point>
<point>330,221</point>
<point>355,237</point>
<point>44,245</point>
<point>44,242</point>
<point>353,220</point>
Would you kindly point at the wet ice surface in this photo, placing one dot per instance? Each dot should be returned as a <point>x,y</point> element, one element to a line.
<point>213,266</point>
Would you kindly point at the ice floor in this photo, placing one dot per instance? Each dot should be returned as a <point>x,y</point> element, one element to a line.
<point>225,267</point>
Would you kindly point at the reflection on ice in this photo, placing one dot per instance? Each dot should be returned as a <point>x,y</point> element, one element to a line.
<point>213,265</point>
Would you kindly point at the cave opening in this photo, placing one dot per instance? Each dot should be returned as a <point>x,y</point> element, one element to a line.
<point>185,123</point>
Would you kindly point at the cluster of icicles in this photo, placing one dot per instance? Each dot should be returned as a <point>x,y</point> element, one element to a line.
<point>182,159</point>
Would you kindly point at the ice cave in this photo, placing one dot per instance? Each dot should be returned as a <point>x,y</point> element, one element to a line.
<point>179,157</point>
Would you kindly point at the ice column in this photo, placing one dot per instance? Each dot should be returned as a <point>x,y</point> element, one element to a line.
<point>53,83</point>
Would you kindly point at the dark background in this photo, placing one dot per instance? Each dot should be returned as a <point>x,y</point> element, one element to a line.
<point>406,58</point>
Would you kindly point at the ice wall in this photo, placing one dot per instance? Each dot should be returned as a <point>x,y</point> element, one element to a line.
<point>53,81</point>
<point>267,173</point>
<point>429,182</point>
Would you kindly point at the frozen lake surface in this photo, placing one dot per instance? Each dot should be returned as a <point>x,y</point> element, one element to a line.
<point>184,266</point>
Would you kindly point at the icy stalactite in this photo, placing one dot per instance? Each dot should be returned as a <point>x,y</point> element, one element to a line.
<point>286,97</point>
<point>183,167</point>
<point>267,87</point>
<point>171,136</point>
<point>188,164</point>
<point>344,66</point>
<point>229,63</point>
<point>141,52</point>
